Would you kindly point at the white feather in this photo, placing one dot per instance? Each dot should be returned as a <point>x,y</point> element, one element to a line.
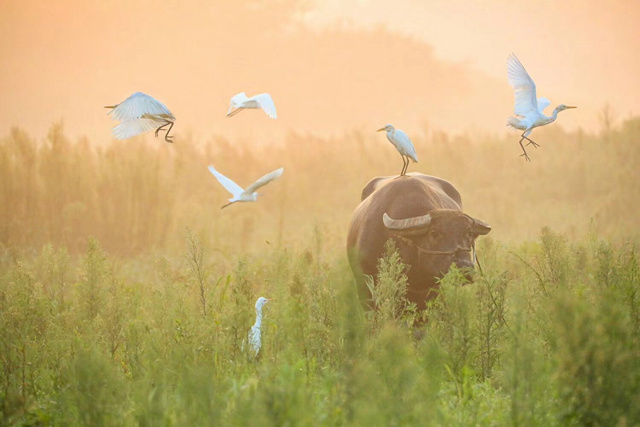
<point>227,183</point>
<point>236,101</point>
<point>403,144</point>
<point>542,104</point>
<point>254,337</point>
<point>528,109</point>
<point>261,101</point>
<point>245,195</point>
<point>139,105</point>
<point>131,128</point>
<point>523,86</point>
<point>140,113</point>
<point>261,182</point>
<point>265,102</point>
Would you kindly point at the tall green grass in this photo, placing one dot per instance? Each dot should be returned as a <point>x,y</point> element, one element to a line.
<point>548,335</point>
<point>126,294</point>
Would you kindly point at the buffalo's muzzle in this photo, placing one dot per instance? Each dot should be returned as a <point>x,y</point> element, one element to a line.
<point>467,268</point>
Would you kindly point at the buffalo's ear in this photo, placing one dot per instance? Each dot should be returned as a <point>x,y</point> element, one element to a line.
<point>480,227</point>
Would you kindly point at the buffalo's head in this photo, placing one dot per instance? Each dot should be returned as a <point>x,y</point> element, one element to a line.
<point>432,242</point>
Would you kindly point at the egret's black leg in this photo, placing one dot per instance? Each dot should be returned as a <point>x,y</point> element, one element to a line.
<point>228,204</point>
<point>535,144</point>
<point>233,113</point>
<point>524,151</point>
<point>160,128</point>
<point>405,164</point>
<point>166,136</point>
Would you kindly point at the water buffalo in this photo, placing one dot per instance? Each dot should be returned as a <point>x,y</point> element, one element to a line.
<point>423,214</point>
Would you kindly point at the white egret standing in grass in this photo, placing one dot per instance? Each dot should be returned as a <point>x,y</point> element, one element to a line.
<point>528,109</point>
<point>262,100</point>
<point>403,144</point>
<point>254,337</point>
<point>140,113</point>
<point>244,195</point>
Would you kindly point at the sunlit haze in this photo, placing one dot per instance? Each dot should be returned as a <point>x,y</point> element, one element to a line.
<point>331,66</point>
<point>496,283</point>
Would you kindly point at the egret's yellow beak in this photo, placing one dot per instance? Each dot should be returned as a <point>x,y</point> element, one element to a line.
<point>571,107</point>
<point>380,129</point>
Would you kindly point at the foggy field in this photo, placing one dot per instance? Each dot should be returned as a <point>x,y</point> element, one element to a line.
<point>126,293</point>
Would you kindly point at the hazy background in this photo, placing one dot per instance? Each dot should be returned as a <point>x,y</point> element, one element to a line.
<point>330,65</point>
<point>337,71</point>
<point>126,293</point>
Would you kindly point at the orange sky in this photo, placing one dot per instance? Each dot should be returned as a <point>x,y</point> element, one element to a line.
<point>330,65</point>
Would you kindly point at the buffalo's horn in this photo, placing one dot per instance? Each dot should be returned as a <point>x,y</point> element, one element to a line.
<point>408,225</point>
<point>480,227</point>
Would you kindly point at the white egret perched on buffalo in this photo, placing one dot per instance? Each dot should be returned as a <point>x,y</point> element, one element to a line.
<point>141,113</point>
<point>255,337</point>
<point>244,195</point>
<point>262,100</point>
<point>403,144</point>
<point>529,110</point>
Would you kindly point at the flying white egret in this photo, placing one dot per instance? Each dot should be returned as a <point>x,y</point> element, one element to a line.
<point>141,113</point>
<point>403,144</point>
<point>244,195</point>
<point>528,109</point>
<point>262,100</point>
<point>254,337</point>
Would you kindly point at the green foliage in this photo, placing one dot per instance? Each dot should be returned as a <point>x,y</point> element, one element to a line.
<point>196,259</point>
<point>597,343</point>
<point>140,326</point>
<point>546,335</point>
<point>451,323</point>
<point>388,296</point>
<point>94,279</point>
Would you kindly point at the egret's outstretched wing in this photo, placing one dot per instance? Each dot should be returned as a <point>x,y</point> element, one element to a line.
<point>236,100</point>
<point>131,128</point>
<point>264,180</point>
<point>542,104</point>
<point>523,86</point>
<point>229,185</point>
<point>265,102</point>
<point>139,104</point>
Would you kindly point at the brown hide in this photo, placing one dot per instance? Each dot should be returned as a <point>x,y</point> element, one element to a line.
<point>412,195</point>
